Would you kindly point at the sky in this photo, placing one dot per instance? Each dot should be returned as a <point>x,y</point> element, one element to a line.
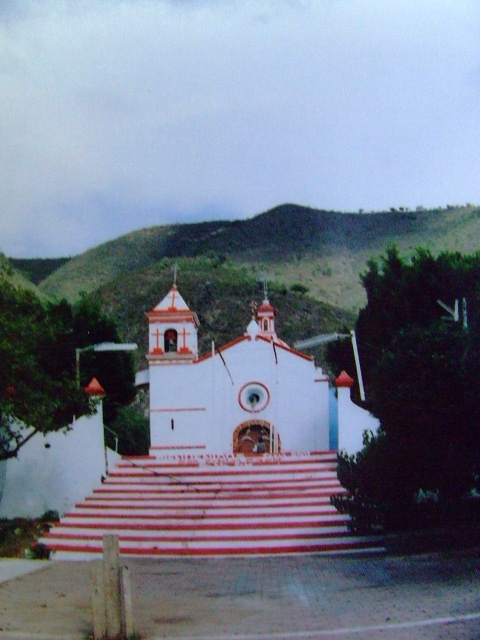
<point>117,115</point>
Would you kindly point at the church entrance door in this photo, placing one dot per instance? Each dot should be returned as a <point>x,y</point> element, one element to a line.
<point>246,436</point>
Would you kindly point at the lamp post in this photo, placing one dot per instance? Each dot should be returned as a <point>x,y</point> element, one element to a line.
<point>330,337</point>
<point>102,346</point>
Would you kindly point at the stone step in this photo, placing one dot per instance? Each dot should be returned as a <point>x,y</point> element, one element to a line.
<point>193,519</point>
<point>203,503</point>
<point>271,487</point>
<point>175,485</point>
<point>204,531</point>
<point>247,496</point>
<point>177,504</point>
<point>232,476</point>
<point>153,524</point>
<point>220,547</point>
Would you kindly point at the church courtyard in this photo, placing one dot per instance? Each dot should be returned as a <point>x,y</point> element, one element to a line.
<point>427,596</point>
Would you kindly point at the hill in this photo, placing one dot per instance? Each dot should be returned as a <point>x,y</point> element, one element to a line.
<point>221,294</point>
<point>16,277</point>
<point>37,269</point>
<point>323,250</point>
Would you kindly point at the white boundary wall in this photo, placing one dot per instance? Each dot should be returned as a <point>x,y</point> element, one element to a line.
<point>55,476</point>
<point>353,421</point>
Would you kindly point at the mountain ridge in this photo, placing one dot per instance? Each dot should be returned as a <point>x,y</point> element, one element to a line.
<point>324,250</point>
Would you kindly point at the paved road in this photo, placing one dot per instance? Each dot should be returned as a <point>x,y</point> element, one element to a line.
<point>429,596</point>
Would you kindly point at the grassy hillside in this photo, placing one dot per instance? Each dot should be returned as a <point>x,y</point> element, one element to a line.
<point>324,250</point>
<point>37,269</point>
<point>15,277</point>
<point>221,295</point>
<point>101,264</point>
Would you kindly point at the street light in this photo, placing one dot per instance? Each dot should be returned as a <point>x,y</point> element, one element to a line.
<point>330,337</point>
<point>102,346</point>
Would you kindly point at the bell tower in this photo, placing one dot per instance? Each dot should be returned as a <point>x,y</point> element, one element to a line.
<point>266,319</point>
<point>172,330</point>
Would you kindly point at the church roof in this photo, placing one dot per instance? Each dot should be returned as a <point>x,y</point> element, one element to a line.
<point>266,307</point>
<point>173,301</point>
<point>253,329</point>
<point>173,308</point>
<point>248,337</point>
<point>283,345</point>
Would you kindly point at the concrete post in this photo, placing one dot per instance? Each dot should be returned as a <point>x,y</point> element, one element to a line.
<point>126,600</point>
<point>111,583</point>
<point>112,610</point>
<point>98,601</point>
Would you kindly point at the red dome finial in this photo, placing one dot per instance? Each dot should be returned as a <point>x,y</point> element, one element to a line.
<point>94,388</point>
<point>344,380</point>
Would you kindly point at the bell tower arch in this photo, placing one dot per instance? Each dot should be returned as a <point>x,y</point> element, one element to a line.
<point>172,330</point>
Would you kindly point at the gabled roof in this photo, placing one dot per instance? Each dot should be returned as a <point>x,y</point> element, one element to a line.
<point>172,302</point>
<point>224,347</point>
<point>266,307</point>
<point>283,345</point>
<point>276,342</point>
<point>173,308</point>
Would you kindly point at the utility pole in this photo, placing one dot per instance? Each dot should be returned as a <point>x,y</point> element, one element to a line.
<point>455,313</point>
<point>331,337</point>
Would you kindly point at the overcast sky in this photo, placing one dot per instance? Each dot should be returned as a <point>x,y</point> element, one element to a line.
<point>122,114</point>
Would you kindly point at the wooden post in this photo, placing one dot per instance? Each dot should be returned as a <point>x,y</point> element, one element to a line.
<point>111,583</point>
<point>98,601</point>
<point>126,600</point>
<point>112,609</point>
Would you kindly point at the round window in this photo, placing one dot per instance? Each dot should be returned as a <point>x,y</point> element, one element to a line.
<point>254,397</point>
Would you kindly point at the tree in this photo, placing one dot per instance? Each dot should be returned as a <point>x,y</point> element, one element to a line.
<point>421,372</point>
<point>114,370</point>
<point>38,387</point>
<point>402,294</point>
<point>132,429</point>
<point>38,392</point>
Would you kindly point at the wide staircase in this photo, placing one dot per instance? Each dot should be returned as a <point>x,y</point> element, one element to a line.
<point>196,504</point>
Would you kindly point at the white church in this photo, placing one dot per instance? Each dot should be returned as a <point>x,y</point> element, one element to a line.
<point>255,386</point>
<point>206,488</point>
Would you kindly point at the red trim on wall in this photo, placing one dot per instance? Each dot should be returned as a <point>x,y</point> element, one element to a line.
<point>160,447</point>
<point>285,347</point>
<point>178,409</point>
<point>233,343</point>
<point>158,316</point>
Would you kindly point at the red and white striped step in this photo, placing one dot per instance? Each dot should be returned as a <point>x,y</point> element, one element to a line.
<point>168,504</point>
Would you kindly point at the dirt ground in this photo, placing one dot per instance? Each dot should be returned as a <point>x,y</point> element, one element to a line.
<point>424,596</point>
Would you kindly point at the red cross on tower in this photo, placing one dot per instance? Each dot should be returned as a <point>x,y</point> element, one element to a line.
<point>184,348</point>
<point>173,293</point>
<point>157,334</point>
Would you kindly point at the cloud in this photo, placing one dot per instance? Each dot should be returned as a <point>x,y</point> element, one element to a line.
<point>117,114</point>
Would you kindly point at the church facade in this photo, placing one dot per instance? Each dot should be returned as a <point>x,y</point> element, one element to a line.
<point>220,403</point>
<point>255,387</point>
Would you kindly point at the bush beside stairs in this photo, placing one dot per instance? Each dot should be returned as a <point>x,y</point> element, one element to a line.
<point>189,503</point>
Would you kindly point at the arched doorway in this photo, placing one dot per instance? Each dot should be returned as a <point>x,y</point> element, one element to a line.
<point>170,341</point>
<point>246,435</point>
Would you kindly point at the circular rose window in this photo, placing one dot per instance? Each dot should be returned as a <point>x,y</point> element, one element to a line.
<point>254,397</point>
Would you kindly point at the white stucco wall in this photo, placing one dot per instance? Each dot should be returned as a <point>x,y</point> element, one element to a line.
<point>202,398</point>
<point>353,421</point>
<point>57,476</point>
